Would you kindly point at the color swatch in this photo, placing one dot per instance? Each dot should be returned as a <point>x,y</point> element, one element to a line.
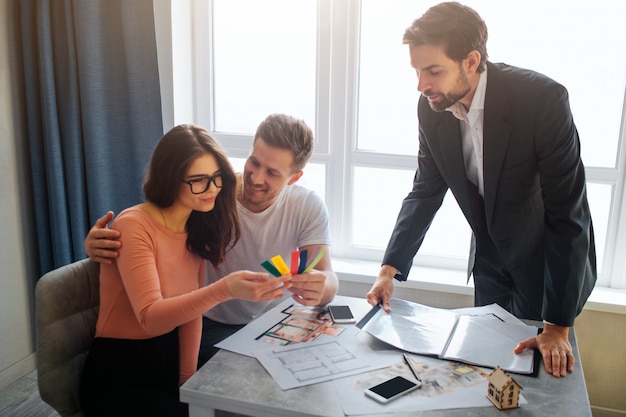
<point>277,266</point>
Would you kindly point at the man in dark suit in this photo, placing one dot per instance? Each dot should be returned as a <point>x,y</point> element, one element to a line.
<point>503,140</point>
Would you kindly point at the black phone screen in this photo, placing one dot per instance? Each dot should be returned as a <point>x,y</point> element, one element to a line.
<point>393,387</point>
<point>341,312</point>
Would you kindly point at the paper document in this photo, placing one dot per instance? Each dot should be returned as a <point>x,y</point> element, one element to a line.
<point>481,339</point>
<point>286,324</point>
<point>491,311</point>
<point>309,363</point>
<point>446,385</point>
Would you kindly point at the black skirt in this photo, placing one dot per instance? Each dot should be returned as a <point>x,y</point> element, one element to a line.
<point>124,377</point>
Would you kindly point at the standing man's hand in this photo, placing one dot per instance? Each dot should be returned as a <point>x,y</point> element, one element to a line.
<point>381,291</point>
<point>102,244</point>
<point>555,348</point>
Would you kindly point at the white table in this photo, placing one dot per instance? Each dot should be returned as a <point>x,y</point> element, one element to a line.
<point>239,384</point>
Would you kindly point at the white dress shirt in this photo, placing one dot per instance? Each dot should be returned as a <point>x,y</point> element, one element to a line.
<point>472,133</point>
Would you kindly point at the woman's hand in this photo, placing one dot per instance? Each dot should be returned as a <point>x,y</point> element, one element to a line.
<point>256,286</point>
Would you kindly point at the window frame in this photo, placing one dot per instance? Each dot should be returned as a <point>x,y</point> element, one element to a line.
<point>336,104</point>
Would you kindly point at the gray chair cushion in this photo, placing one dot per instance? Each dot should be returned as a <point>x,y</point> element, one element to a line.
<point>67,302</point>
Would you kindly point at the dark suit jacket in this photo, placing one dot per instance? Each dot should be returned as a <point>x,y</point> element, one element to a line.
<point>535,202</point>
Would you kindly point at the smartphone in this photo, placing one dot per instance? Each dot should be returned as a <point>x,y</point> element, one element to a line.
<point>391,389</point>
<point>341,314</point>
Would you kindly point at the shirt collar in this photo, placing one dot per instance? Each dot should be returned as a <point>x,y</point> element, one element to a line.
<point>478,101</point>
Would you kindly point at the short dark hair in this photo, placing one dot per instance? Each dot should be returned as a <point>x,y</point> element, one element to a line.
<point>287,132</point>
<point>456,28</point>
<point>209,234</point>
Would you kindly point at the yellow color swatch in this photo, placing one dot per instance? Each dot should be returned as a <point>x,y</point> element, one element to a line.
<point>280,264</point>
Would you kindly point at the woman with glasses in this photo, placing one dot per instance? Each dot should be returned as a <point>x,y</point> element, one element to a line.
<point>151,298</point>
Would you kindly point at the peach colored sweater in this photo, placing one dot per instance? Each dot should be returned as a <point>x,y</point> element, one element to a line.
<point>154,287</point>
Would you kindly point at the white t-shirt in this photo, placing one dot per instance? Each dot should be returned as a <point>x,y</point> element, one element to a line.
<point>297,218</point>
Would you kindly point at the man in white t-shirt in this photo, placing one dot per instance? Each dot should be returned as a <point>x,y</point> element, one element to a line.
<point>277,217</point>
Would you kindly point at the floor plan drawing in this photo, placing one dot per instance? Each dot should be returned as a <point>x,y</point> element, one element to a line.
<point>301,324</point>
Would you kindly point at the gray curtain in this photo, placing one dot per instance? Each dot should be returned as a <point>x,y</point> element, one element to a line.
<point>93,114</point>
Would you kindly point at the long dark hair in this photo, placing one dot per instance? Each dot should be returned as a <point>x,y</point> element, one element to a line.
<point>210,234</point>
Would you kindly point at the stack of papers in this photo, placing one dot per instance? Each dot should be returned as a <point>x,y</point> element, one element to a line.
<point>478,339</point>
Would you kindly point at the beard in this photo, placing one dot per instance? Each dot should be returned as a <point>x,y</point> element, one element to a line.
<point>253,198</point>
<point>460,89</point>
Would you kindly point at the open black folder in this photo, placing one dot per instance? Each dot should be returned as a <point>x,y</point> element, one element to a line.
<point>482,340</point>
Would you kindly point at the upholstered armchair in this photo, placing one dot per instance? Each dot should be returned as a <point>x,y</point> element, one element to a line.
<point>67,302</point>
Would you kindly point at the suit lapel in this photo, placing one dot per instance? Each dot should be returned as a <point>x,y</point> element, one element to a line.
<point>451,151</point>
<point>496,137</point>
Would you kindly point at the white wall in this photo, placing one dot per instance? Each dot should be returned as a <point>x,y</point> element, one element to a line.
<point>16,271</point>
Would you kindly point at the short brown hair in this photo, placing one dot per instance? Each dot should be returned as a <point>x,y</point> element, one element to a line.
<point>287,132</point>
<point>456,28</point>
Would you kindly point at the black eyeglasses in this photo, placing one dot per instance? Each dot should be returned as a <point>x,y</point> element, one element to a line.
<point>201,184</point>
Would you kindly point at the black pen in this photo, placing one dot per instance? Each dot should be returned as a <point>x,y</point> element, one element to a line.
<point>413,371</point>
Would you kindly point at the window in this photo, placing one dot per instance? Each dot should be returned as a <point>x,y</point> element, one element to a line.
<point>253,76</point>
<point>341,66</point>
